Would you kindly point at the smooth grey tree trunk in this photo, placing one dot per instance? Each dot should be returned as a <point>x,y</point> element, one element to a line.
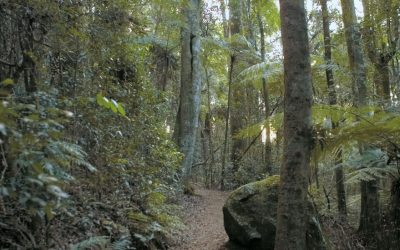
<point>187,121</point>
<point>292,210</point>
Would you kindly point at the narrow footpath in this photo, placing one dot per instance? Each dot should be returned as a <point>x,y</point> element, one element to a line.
<point>204,219</point>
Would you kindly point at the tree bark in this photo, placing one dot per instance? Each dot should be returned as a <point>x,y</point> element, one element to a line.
<point>369,192</point>
<point>356,59</point>
<point>227,118</point>
<point>224,21</point>
<point>380,60</point>
<point>265,95</point>
<point>395,212</point>
<point>189,106</point>
<point>340,188</point>
<point>208,132</point>
<point>339,176</point>
<point>370,214</point>
<point>292,210</point>
<point>237,118</point>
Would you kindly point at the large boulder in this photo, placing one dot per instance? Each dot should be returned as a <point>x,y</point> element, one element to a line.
<point>250,217</point>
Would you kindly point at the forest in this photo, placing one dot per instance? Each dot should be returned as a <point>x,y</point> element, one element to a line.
<point>200,124</point>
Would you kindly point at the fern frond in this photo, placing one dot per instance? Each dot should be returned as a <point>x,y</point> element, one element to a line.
<point>121,244</point>
<point>370,174</point>
<point>250,131</point>
<point>259,71</point>
<point>375,126</point>
<point>95,241</point>
<point>253,130</point>
<point>210,43</point>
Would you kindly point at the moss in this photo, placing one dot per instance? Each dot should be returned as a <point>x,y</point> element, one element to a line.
<point>269,181</point>
<point>155,199</point>
<point>139,217</point>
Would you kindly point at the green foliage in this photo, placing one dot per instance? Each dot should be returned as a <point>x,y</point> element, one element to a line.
<point>369,165</point>
<point>102,242</point>
<point>7,81</point>
<point>270,12</point>
<point>363,125</point>
<point>41,159</point>
<point>269,71</point>
<point>110,104</point>
<point>63,151</point>
<point>92,242</point>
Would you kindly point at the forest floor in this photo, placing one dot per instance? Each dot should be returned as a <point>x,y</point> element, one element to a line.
<point>204,220</point>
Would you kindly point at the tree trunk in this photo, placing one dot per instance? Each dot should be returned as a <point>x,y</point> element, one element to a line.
<point>237,118</point>
<point>224,22</point>
<point>26,42</point>
<point>369,192</point>
<point>292,210</point>
<point>340,189</point>
<point>208,131</point>
<point>380,60</point>
<point>395,213</point>
<point>356,60</point>
<point>265,95</point>
<point>370,214</point>
<point>339,176</point>
<point>382,79</point>
<point>190,91</point>
<point>228,112</point>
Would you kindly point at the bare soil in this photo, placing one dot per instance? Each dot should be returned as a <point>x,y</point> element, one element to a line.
<point>204,220</point>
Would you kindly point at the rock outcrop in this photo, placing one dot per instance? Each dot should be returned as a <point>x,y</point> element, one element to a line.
<point>250,217</point>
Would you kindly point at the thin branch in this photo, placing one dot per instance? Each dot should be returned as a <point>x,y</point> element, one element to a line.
<point>251,144</point>
<point>206,160</point>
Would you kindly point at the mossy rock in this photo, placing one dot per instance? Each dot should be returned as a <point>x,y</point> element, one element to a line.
<point>250,217</point>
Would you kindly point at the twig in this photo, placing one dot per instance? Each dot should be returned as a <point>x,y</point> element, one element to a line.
<point>204,162</point>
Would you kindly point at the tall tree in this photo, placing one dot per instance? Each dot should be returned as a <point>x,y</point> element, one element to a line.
<point>370,216</point>
<point>226,27</point>
<point>292,210</point>
<point>265,95</point>
<point>380,57</point>
<point>339,176</point>
<point>189,106</point>
<point>356,59</point>
<point>238,94</point>
<point>222,6</point>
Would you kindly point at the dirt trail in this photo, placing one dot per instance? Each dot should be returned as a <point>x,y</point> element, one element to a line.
<point>204,220</point>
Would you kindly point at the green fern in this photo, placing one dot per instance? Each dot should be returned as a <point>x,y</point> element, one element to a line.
<point>260,70</point>
<point>95,241</point>
<point>121,244</point>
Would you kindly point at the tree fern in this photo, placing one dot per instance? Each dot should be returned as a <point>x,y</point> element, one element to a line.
<point>257,71</point>
<point>368,166</point>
